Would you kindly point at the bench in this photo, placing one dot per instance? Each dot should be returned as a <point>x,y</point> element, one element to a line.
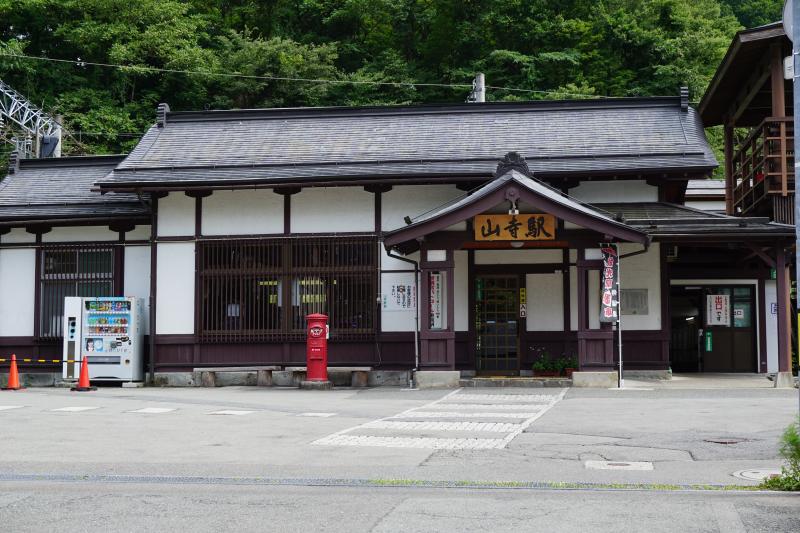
<point>208,375</point>
<point>358,374</point>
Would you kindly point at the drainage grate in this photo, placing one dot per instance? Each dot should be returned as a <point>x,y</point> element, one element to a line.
<point>725,441</point>
<point>756,474</point>
<point>619,465</point>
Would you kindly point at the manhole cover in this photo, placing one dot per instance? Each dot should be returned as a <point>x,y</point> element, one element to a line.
<point>725,441</point>
<point>756,474</point>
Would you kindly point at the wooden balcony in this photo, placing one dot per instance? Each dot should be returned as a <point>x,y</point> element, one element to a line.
<point>763,171</point>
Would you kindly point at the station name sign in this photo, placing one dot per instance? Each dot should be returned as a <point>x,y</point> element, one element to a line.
<point>523,227</point>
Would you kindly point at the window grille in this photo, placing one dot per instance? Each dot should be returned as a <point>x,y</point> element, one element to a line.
<point>85,270</point>
<point>262,289</point>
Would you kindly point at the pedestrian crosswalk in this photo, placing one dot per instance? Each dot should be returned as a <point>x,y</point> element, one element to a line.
<point>459,420</point>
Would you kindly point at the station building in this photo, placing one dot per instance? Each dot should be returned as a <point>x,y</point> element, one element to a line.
<point>458,238</point>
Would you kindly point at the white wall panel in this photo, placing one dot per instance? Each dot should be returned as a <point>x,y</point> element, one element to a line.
<point>175,286</point>
<point>593,286</point>
<point>80,234</point>
<point>545,302</point>
<point>138,233</point>
<point>18,235</point>
<point>243,212</point>
<point>175,215</point>
<point>396,320</point>
<point>707,205</point>
<point>333,209</point>
<point>137,278</point>
<point>17,292</point>
<point>642,271</point>
<point>615,191</point>
<point>771,325</point>
<point>461,281</point>
<point>412,201</point>
<point>517,257</point>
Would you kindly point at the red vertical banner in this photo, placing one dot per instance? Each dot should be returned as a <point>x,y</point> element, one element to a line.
<point>609,284</point>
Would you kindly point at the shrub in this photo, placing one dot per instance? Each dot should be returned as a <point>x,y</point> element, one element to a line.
<point>789,479</point>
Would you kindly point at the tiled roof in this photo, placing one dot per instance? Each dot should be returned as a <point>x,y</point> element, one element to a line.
<point>56,188</point>
<point>273,146</point>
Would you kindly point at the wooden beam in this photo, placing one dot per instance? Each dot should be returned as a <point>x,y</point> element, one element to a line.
<point>750,90</point>
<point>729,185</point>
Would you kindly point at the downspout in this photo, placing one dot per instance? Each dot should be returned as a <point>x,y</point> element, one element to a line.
<point>416,312</point>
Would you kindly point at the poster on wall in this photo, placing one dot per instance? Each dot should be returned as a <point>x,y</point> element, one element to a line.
<point>609,284</point>
<point>436,300</point>
<point>401,297</point>
<point>718,310</point>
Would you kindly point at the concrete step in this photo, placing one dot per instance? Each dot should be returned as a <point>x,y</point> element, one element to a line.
<point>515,382</point>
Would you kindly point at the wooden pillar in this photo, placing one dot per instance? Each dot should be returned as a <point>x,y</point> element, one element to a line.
<point>437,344</point>
<point>729,184</point>
<point>777,88</point>
<point>784,325</point>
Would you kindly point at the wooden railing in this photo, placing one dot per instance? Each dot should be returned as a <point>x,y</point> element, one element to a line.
<point>763,168</point>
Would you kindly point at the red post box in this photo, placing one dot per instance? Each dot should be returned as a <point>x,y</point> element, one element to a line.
<point>317,347</point>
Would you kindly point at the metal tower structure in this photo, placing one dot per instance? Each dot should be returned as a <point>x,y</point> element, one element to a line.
<point>42,133</point>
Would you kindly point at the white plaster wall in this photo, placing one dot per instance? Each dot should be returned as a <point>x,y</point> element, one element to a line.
<point>573,298</point>
<point>17,236</point>
<point>545,302</point>
<point>17,292</point>
<point>333,209</point>
<point>412,201</point>
<point>642,272</point>
<point>138,233</point>
<point>137,278</point>
<point>771,324</point>
<point>461,282</point>
<point>176,215</point>
<point>175,288</point>
<point>615,191</point>
<point>517,257</point>
<point>80,234</point>
<point>718,206</point>
<point>396,320</point>
<point>390,263</point>
<point>243,212</point>
<point>594,299</point>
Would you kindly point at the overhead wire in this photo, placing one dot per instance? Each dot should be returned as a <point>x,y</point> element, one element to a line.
<point>144,68</point>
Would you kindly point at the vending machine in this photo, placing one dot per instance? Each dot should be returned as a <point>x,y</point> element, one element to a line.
<point>107,331</point>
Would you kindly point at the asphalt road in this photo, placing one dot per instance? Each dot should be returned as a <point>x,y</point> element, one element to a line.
<point>246,458</point>
<point>67,507</point>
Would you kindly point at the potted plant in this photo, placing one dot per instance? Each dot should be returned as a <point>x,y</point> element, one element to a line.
<point>544,367</point>
<point>569,365</point>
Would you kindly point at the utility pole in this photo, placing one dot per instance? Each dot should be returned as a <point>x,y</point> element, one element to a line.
<point>478,93</point>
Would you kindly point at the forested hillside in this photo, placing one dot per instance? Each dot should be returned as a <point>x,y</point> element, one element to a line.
<point>531,48</point>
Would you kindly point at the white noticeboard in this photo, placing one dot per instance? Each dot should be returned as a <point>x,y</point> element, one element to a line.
<point>436,297</point>
<point>718,310</point>
<point>401,297</point>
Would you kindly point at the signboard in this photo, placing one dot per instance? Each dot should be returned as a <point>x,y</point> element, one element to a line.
<point>523,302</point>
<point>401,297</point>
<point>709,342</point>
<point>530,227</point>
<point>436,321</point>
<point>609,284</point>
<point>718,310</point>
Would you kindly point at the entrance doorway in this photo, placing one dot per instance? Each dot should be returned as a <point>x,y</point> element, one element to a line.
<point>497,324</point>
<point>713,329</point>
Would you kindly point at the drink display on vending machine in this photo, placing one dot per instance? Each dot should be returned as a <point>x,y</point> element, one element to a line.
<point>107,331</point>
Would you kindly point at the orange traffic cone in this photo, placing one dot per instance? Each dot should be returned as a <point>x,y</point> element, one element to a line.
<point>13,375</point>
<point>83,381</point>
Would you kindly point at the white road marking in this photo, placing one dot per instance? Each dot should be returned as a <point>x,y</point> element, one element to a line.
<point>619,465</point>
<point>74,409</point>
<point>463,414</point>
<point>443,426</point>
<point>9,407</point>
<point>455,409</point>
<point>502,407</point>
<point>153,410</point>
<point>529,398</point>
<point>231,412</point>
<point>318,415</point>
